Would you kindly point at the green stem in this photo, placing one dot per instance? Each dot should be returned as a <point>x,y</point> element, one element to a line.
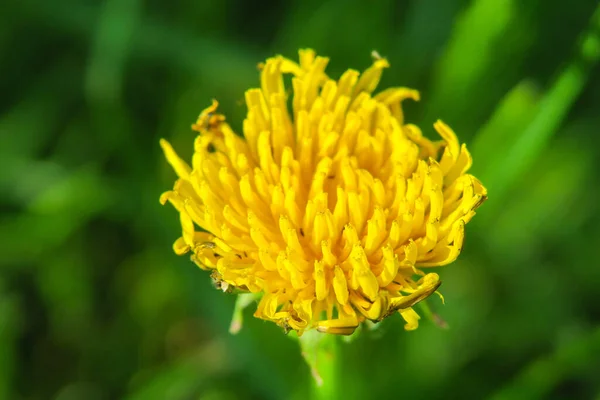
<point>321,354</point>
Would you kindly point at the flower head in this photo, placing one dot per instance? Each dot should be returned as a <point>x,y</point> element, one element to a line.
<point>331,211</point>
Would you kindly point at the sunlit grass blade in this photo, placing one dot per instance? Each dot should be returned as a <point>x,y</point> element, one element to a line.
<point>515,110</point>
<point>487,31</point>
<point>511,158</point>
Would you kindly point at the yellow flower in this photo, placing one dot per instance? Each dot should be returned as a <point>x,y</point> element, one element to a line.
<point>328,212</point>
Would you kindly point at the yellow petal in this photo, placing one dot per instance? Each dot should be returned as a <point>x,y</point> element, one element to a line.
<point>182,169</point>
<point>411,318</point>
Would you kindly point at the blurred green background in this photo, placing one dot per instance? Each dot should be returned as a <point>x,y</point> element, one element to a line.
<point>95,305</point>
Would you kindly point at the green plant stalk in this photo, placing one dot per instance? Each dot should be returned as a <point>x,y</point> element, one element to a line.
<point>321,352</point>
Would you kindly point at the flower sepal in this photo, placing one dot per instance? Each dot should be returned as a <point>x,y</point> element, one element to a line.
<point>242,301</point>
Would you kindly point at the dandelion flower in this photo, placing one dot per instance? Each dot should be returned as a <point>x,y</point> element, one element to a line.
<point>329,209</point>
